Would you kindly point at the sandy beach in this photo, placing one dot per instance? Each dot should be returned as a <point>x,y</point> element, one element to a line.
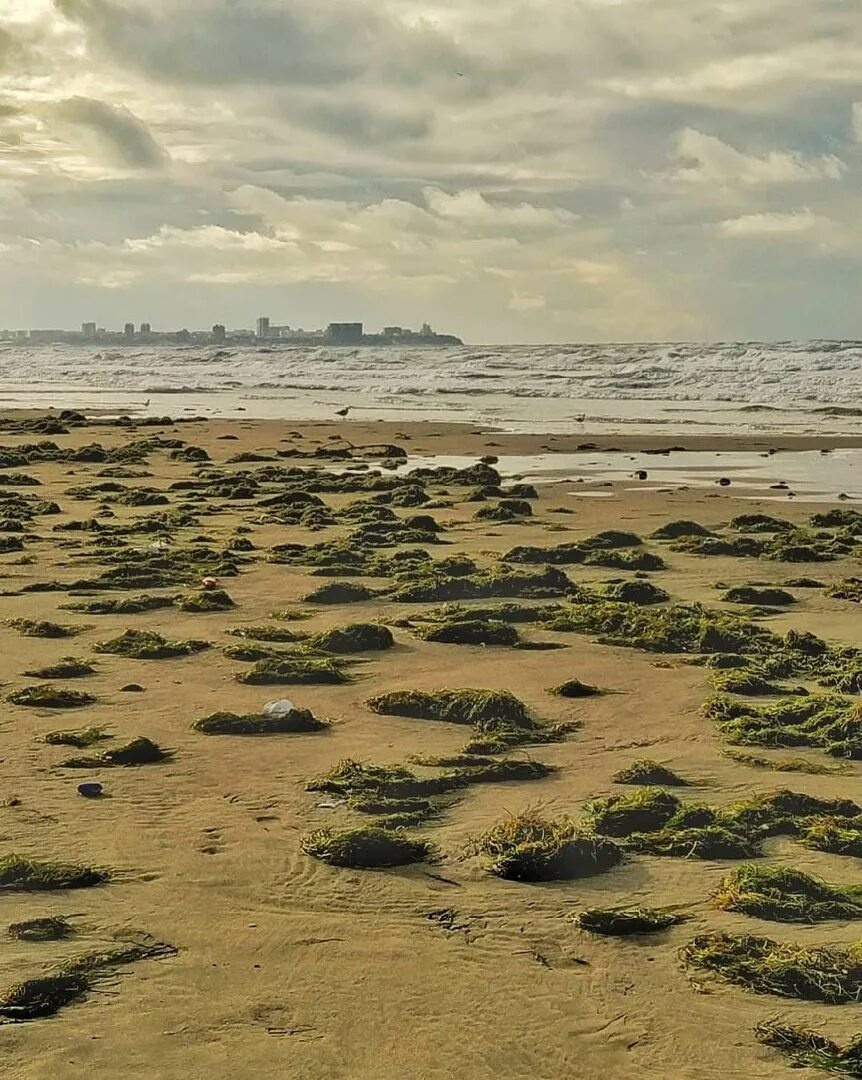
<point>285,965</point>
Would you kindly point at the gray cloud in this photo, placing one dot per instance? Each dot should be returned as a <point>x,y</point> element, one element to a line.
<point>126,138</point>
<point>217,42</point>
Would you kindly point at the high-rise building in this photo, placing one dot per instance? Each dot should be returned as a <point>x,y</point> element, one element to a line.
<point>347,333</point>
<point>263,326</point>
<point>129,331</point>
<point>145,329</point>
<point>88,329</point>
<point>218,333</point>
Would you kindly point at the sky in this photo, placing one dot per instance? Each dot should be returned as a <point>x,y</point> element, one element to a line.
<point>524,171</point>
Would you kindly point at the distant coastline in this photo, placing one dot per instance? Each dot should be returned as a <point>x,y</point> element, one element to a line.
<point>349,334</point>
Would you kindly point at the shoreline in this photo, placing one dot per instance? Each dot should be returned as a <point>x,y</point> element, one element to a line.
<point>470,438</point>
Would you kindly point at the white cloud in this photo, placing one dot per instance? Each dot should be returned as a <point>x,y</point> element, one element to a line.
<point>705,159</point>
<point>773,225</point>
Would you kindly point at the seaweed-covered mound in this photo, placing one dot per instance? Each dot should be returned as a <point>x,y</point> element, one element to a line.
<point>623,921</point>
<point>46,696</point>
<point>645,810</point>
<point>766,595</point>
<point>148,645</point>
<point>42,628</point>
<point>139,751</point>
<point>339,592</point>
<point>828,721</point>
<point>819,973</point>
<point>20,874</point>
<point>761,523</point>
<point>530,847</point>
<point>505,510</point>
<point>486,710</point>
<point>206,600</point>
<point>744,680</point>
<point>673,530</point>
<point>45,928</point>
<point>809,1049</point>
<point>266,633</point>
<point>295,670</point>
<point>786,895</point>
<point>636,592</point>
<point>353,638</point>
<point>574,688</point>
<point>834,834</point>
<point>848,589</point>
<point>67,667</point>
<point>293,720</point>
<point>124,605</point>
<point>645,771</point>
<point>366,848</point>
<point>469,632</point>
<point>433,583</point>
<point>81,739</point>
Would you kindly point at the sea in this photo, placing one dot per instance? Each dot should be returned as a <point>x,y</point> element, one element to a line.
<point>711,388</point>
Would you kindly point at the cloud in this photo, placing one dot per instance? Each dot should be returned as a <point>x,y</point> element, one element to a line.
<point>303,43</point>
<point>705,159</point>
<point>773,225</point>
<point>113,130</point>
<point>525,302</point>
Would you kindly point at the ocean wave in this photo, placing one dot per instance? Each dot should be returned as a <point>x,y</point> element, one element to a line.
<point>821,378</point>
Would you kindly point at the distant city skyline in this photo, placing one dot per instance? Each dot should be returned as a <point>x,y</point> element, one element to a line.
<point>335,333</point>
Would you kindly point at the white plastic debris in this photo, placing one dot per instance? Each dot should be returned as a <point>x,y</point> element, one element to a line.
<point>282,707</point>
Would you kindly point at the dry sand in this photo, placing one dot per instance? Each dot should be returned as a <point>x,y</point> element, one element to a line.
<point>288,968</point>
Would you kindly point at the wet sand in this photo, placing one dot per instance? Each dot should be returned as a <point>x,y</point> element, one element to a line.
<point>287,967</point>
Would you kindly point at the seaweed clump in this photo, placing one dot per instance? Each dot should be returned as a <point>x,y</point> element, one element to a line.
<point>828,721</point>
<point>43,628</point>
<point>622,921</point>
<point>148,645</point>
<point>766,596</point>
<point>80,739</point>
<point>823,973</point>
<point>645,771</point>
<point>67,667</point>
<point>293,721</point>
<point>46,928</point>
<point>339,592</point>
<point>785,895</point>
<point>645,810</point>
<point>124,605</point>
<point>673,530</point>
<point>206,600</point>
<point>139,751</point>
<point>366,848</point>
<point>499,719</point>
<point>20,874</point>
<point>46,995</point>
<point>294,670</point>
<point>574,688</point>
<point>46,696</point>
<point>353,638</point>
<point>469,632</point>
<point>811,1050</point>
<point>530,847</point>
